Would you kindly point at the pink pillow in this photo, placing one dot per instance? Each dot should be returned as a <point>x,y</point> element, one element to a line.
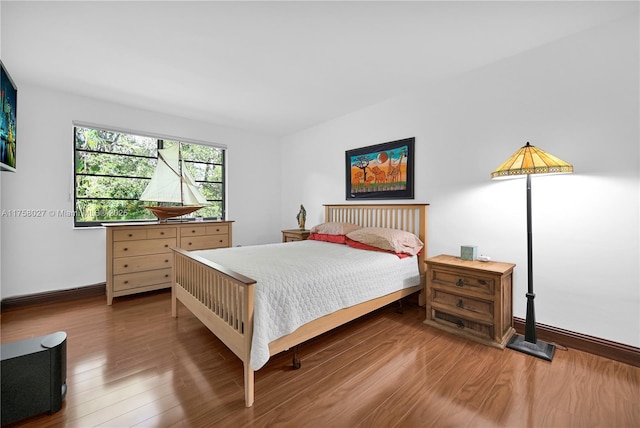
<point>325,237</point>
<point>395,240</point>
<point>335,228</point>
<point>361,246</point>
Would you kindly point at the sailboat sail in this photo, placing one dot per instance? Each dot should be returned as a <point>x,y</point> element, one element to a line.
<point>190,193</point>
<point>172,182</point>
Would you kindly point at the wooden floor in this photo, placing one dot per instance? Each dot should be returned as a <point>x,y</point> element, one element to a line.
<point>132,364</point>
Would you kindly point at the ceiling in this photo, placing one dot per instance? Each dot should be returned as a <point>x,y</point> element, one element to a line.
<point>272,67</point>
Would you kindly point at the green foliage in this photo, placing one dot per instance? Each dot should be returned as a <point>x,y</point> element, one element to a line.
<point>113,169</point>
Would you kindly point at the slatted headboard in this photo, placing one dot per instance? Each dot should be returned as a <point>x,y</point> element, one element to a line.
<point>409,217</point>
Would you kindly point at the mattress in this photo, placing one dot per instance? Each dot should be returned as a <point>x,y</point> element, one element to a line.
<point>298,282</point>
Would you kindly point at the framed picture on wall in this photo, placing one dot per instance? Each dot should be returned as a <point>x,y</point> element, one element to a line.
<point>382,171</point>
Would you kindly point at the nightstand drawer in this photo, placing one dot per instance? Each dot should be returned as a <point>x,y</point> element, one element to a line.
<point>474,308</point>
<point>289,238</point>
<point>463,281</point>
<point>484,331</point>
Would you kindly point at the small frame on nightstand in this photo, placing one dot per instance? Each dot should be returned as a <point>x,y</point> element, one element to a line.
<point>292,235</point>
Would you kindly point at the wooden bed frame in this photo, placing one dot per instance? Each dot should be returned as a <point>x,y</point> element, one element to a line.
<point>223,300</point>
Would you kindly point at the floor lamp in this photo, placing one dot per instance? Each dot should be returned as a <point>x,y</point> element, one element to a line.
<point>525,162</point>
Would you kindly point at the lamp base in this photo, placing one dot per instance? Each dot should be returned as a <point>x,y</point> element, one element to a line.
<point>539,349</point>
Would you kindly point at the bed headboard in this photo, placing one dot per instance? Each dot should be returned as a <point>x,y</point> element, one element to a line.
<point>409,217</point>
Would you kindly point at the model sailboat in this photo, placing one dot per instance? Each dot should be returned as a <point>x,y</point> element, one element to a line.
<point>172,183</point>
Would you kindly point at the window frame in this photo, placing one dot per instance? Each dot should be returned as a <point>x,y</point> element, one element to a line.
<point>159,141</point>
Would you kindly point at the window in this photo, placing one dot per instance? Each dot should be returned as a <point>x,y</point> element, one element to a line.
<point>112,169</point>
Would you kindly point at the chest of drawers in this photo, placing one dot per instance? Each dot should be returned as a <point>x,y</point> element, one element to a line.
<point>139,255</point>
<point>470,298</point>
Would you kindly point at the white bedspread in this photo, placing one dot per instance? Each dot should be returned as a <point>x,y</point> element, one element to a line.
<point>298,282</point>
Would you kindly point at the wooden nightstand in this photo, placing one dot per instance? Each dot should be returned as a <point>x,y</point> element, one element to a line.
<point>470,298</point>
<point>295,235</point>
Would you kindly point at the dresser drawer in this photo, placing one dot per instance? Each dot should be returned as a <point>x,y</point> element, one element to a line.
<point>138,248</point>
<point>484,331</point>
<point>222,229</point>
<point>156,233</point>
<point>463,280</point>
<point>198,230</point>
<point>141,279</point>
<point>129,235</point>
<point>473,308</point>
<point>204,242</point>
<point>142,263</point>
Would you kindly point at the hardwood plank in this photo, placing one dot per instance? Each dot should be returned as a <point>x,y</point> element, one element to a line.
<point>132,364</point>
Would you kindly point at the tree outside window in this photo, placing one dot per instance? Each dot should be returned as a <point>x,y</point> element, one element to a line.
<point>113,168</point>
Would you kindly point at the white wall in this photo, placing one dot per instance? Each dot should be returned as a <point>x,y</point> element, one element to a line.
<point>577,99</point>
<point>47,253</point>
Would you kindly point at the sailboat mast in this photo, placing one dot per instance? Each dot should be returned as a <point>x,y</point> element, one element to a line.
<point>181,176</point>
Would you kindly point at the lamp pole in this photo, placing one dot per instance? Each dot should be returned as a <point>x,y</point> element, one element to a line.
<point>530,344</point>
<point>530,325</point>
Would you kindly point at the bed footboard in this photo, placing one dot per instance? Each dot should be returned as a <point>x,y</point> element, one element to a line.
<point>222,300</point>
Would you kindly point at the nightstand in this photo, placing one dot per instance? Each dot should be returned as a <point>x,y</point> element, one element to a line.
<point>295,235</point>
<point>470,298</point>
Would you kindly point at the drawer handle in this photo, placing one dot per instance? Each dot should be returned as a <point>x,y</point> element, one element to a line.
<point>460,303</point>
<point>125,249</point>
<point>166,245</point>
<point>130,235</point>
<point>126,266</point>
<point>460,324</point>
<point>482,282</point>
<point>166,261</point>
<point>460,282</point>
<point>126,282</point>
<point>166,276</point>
<point>193,231</point>
<point>217,230</point>
<point>161,233</point>
<point>189,243</point>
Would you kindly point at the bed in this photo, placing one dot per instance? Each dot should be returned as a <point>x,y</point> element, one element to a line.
<point>228,303</point>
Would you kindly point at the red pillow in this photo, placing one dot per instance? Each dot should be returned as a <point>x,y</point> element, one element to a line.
<point>361,246</point>
<point>336,239</point>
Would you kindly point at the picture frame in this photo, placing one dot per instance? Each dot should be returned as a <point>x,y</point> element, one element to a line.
<point>381,171</point>
<point>8,121</point>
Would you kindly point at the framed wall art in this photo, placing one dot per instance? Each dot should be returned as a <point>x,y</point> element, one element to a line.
<point>382,171</point>
<point>8,116</point>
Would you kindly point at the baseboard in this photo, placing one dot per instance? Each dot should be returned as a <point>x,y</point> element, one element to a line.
<point>53,296</point>
<point>604,348</point>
